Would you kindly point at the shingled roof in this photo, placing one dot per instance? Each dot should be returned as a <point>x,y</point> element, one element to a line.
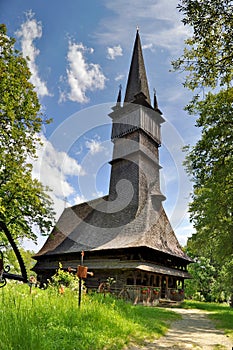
<point>137,79</point>
<point>87,227</point>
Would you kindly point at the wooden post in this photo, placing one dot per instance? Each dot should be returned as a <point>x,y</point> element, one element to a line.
<point>160,282</point>
<point>80,283</point>
<point>166,289</point>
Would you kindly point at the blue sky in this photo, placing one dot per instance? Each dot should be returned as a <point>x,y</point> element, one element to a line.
<point>80,53</point>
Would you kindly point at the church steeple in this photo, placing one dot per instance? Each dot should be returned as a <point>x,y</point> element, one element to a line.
<point>136,137</point>
<point>137,84</point>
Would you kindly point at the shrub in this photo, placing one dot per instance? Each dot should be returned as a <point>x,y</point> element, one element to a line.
<point>63,279</point>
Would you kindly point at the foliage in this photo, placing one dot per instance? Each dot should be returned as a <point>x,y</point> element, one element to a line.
<point>46,320</point>
<point>206,283</point>
<point>24,202</point>
<point>208,55</point>
<point>11,260</point>
<point>211,161</point>
<point>208,62</point>
<point>210,164</point>
<point>64,278</point>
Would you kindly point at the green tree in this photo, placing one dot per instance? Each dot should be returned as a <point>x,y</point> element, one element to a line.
<point>203,278</point>
<point>208,61</point>
<point>11,260</point>
<point>208,277</point>
<point>208,54</point>
<point>24,202</point>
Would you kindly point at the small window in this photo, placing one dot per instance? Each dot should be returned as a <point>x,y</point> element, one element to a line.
<point>130,281</point>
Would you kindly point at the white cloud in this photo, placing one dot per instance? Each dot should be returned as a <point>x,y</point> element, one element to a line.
<point>184,230</point>
<point>29,31</point>
<point>94,146</point>
<point>148,46</point>
<point>81,75</point>
<point>159,23</point>
<point>53,167</point>
<point>113,52</point>
<point>119,77</point>
<point>97,194</point>
<point>79,199</point>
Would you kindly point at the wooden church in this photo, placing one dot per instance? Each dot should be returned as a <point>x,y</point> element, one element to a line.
<point>125,235</point>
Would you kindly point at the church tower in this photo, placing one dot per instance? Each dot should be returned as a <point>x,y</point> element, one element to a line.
<point>136,136</point>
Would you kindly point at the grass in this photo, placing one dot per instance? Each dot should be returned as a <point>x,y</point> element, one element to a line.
<point>46,320</point>
<point>221,314</point>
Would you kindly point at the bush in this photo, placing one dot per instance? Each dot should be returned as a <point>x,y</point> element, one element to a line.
<point>63,279</point>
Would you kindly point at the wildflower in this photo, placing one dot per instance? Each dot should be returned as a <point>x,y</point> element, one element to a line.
<point>61,289</point>
<point>32,280</point>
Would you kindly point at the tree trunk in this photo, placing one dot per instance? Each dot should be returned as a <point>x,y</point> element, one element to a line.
<point>5,229</point>
<point>231,301</point>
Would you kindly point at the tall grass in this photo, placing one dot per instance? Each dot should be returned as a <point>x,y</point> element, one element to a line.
<point>221,314</point>
<point>46,320</point>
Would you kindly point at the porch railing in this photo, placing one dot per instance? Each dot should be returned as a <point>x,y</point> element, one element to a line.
<point>149,294</point>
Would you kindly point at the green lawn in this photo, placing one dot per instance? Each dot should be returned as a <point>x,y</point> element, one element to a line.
<point>46,320</point>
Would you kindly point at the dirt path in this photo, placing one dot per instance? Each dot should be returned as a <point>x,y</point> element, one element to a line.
<point>193,331</point>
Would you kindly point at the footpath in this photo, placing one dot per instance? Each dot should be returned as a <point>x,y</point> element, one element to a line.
<point>193,331</point>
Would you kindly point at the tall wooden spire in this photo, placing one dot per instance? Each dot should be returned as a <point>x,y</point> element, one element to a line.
<point>137,79</point>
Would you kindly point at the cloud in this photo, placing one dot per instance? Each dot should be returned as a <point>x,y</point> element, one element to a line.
<point>81,75</point>
<point>184,230</point>
<point>29,31</point>
<point>57,170</point>
<point>97,194</point>
<point>79,199</point>
<point>113,52</point>
<point>159,23</point>
<point>119,77</point>
<point>53,168</point>
<point>94,146</point>
<point>148,46</point>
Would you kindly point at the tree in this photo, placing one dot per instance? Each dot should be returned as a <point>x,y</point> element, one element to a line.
<point>10,259</point>
<point>208,61</point>
<point>24,202</point>
<point>209,52</point>
<point>208,278</point>
<point>203,279</point>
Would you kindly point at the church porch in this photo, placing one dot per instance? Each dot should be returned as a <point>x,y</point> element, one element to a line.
<point>144,284</point>
<point>149,288</point>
